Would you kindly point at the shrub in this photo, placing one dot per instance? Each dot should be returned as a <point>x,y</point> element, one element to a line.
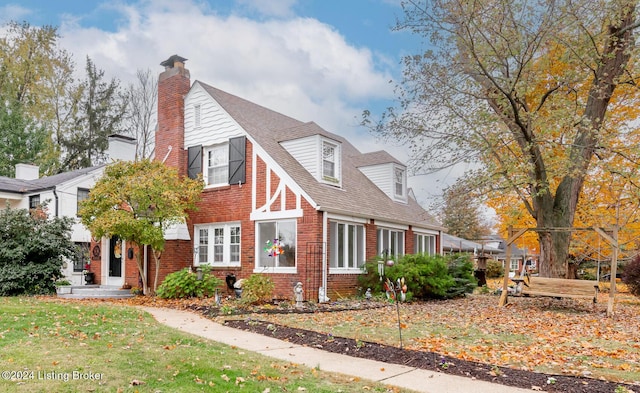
<point>494,269</point>
<point>371,279</point>
<point>258,288</point>
<point>631,276</point>
<point>460,268</point>
<point>185,284</point>
<point>426,276</point>
<point>32,251</point>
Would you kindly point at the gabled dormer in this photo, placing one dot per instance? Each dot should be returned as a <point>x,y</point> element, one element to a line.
<point>320,156</point>
<point>387,173</point>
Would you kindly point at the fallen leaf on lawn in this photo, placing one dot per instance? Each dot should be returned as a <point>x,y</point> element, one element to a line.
<point>136,382</point>
<point>302,389</point>
<point>225,377</point>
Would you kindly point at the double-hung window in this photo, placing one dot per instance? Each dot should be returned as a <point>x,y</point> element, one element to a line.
<point>217,171</point>
<point>81,256</point>
<point>399,175</point>
<point>217,244</point>
<point>277,244</point>
<point>82,194</point>
<point>347,245</point>
<point>328,160</point>
<point>34,201</point>
<point>513,265</point>
<point>391,242</point>
<point>424,244</point>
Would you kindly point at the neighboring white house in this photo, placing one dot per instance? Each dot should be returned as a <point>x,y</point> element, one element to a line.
<point>62,194</point>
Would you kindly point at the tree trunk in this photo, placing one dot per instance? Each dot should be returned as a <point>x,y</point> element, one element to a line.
<point>554,250</point>
<point>156,256</point>
<point>140,263</point>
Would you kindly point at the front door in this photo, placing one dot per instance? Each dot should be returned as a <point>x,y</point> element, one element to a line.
<point>115,264</point>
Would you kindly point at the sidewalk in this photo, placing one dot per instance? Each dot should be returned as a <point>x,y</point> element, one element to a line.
<point>387,373</point>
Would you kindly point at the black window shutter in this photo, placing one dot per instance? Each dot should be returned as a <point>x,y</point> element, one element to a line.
<point>194,161</point>
<point>237,160</point>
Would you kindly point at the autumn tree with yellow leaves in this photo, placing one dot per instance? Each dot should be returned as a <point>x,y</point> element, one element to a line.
<point>138,201</point>
<point>538,93</point>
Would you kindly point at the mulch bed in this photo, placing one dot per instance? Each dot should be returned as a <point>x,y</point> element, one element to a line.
<point>418,359</point>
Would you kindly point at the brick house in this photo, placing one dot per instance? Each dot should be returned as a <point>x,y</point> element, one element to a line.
<point>271,180</point>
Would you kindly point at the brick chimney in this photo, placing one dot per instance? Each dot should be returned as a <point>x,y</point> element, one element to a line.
<point>173,85</point>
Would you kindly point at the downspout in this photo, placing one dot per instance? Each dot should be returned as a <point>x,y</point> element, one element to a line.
<point>322,291</point>
<point>55,194</point>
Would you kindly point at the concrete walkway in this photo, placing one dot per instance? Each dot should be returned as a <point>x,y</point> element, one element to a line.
<point>387,373</point>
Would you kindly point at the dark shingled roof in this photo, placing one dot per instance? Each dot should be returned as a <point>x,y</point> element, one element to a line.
<point>43,183</point>
<point>358,195</point>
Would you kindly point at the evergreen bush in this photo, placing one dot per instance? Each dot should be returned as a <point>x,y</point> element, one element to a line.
<point>33,249</point>
<point>371,279</point>
<point>185,284</point>
<point>426,276</point>
<point>460,268</point>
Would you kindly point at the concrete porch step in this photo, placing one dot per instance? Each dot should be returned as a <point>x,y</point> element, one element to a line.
<point>96,292</point>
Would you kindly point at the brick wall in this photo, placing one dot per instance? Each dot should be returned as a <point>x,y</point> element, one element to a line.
<point>173,85</point>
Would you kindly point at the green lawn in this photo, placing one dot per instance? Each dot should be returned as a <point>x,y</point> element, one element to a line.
<point>52,346</point>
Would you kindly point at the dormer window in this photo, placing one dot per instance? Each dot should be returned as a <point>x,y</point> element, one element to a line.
<point>330,167</point>
<point>328,160</point>
<point>399,180</point>
<point>320,156</point>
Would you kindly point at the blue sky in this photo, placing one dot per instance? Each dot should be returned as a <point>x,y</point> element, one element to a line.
<point>315,60</point>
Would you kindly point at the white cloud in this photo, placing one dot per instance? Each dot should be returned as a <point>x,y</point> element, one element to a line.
<point>13,12</point>
<point>298,66</point>
<point>278,8</point>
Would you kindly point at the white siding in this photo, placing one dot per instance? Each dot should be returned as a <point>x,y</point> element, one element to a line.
<point>307,152</point>
<point>216,126</point>
<point>382,176</point>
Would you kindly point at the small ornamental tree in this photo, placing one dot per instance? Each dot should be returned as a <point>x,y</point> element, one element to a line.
<point>32,251</point>
<point>137,201</point>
